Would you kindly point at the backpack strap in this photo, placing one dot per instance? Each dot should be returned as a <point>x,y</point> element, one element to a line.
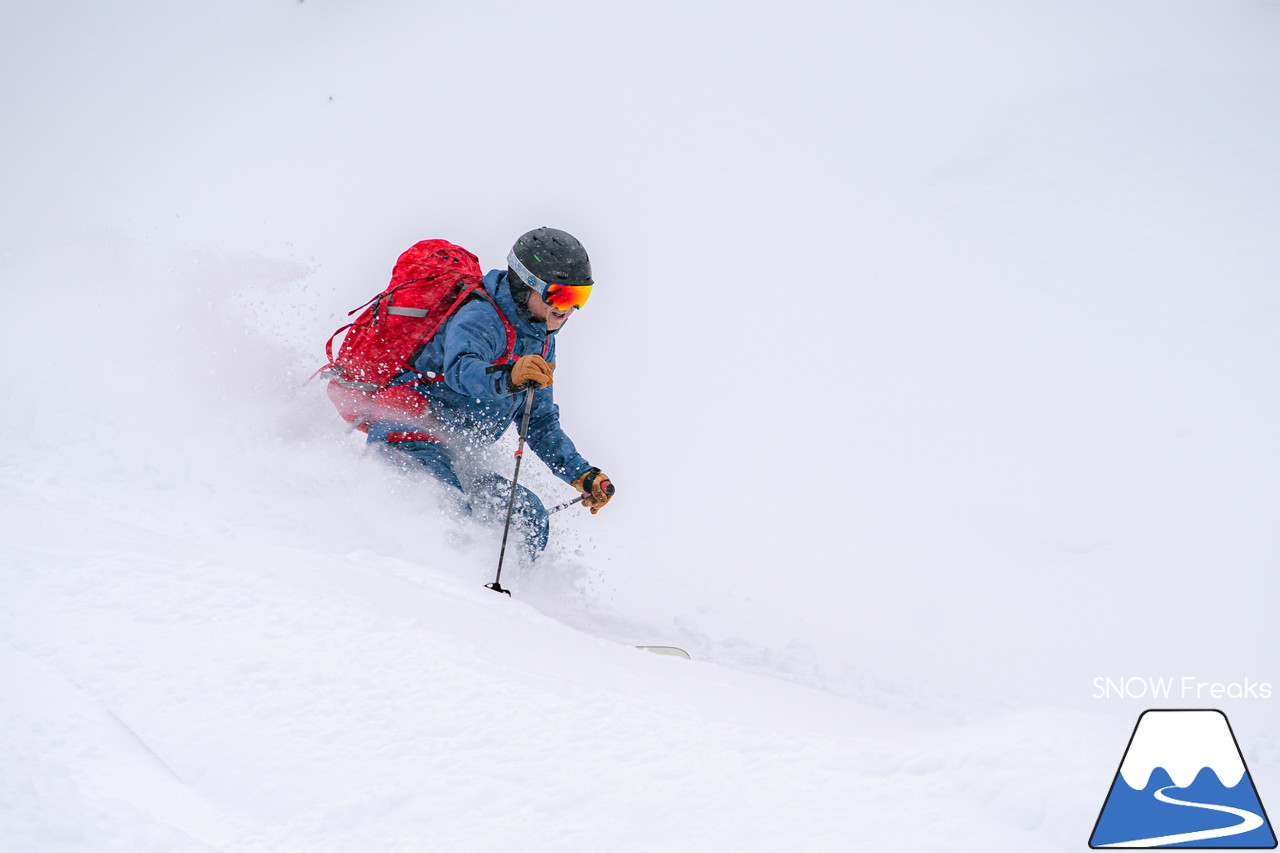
<point>475,289</point>
<point>509,354</point>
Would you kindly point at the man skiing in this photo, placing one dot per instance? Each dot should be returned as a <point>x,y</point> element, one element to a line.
<point>478,383</point>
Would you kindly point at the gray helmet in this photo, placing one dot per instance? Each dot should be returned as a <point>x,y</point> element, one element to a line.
<point>554,256</point>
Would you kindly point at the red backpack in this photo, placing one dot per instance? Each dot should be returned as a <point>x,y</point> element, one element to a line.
<point>430,282</point>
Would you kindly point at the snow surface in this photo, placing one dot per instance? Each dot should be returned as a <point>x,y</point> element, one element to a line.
<point>934,357</point>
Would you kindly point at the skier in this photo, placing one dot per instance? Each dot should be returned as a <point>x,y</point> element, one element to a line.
<point>473,399</point>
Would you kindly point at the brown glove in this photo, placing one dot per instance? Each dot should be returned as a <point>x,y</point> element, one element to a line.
<point>596,486</point>
<point>530,368</point>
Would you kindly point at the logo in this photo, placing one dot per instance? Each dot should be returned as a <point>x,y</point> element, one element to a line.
<point>1183,783</point>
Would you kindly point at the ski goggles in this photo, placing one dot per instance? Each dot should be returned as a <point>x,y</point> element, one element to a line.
<point>558,295</point>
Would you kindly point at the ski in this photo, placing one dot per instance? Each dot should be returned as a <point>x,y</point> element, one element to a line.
<point>670,651</point>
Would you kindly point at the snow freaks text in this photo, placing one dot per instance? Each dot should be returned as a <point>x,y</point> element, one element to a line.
<point>1187,687</point>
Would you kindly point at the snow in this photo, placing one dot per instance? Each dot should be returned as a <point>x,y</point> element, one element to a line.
<point>934,359</point>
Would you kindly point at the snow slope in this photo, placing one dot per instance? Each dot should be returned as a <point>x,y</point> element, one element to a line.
<point>228,694</point>
<point>966,312</point>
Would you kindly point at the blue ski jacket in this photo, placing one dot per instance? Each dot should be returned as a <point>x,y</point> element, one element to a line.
<point>473,399</point>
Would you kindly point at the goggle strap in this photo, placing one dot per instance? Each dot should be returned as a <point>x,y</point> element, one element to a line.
<point>526,276</point>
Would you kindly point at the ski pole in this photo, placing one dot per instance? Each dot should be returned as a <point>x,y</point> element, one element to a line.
<point>511,501</point>
<point>566,504</point>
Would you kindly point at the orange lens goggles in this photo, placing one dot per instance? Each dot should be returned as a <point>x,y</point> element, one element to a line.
<point>559,296</point>
<point>562,297</point>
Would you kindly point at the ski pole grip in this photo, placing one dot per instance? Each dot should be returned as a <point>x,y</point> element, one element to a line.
<point>596,477</point>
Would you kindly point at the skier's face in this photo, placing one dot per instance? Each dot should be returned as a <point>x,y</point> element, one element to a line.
<point>544,313</point>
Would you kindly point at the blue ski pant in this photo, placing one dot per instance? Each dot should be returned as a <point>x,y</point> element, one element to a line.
<point>487,495</point>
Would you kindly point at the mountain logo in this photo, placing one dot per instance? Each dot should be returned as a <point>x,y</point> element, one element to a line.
<point>1183,783</point>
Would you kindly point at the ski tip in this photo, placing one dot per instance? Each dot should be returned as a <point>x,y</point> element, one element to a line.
<point>670,651</point>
